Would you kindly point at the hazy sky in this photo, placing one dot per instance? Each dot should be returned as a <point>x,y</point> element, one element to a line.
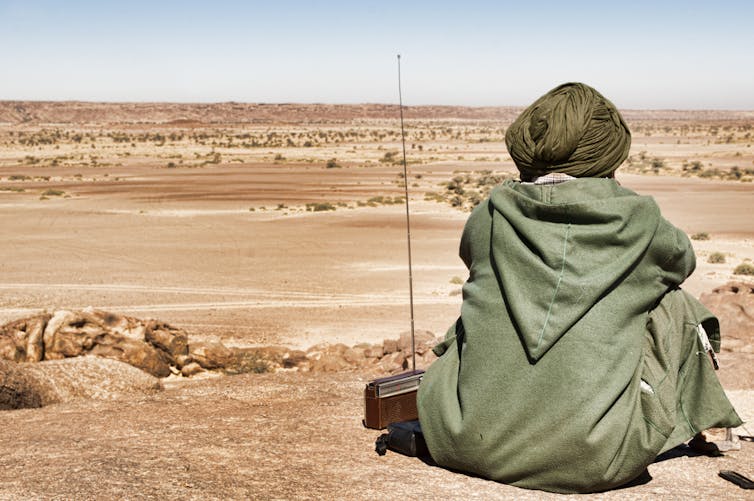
<point>641,54</point>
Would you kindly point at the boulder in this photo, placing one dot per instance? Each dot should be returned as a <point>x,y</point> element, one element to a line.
<point>733,304</point>
<point>295,358</point>
<point>149,345</point>
<point>210,355</point>
<point>354,356</point>
<point>169,339</point>
<point>389,346</point>
<point>420,337</point>
<point>72,334</point>
<point>330,362</point>
<point>373,352</point>
<point>18,389</point>
<point>23,340</point>
<point>29,385</point>
<point>191,369</point>
<point>395,362</point>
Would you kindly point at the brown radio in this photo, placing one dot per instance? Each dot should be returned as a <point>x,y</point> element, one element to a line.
<point>391,399</point>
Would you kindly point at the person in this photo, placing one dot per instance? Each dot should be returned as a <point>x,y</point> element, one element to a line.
<point>576,359</point>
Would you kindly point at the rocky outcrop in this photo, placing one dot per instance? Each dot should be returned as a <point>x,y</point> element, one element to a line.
<point>150,345</point>
<point>161,349</point>
<point>733,304</point>
<point>30,385</point>
<point>391,357</point>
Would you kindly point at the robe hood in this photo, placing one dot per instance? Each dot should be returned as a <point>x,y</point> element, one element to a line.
<point>558,249</point>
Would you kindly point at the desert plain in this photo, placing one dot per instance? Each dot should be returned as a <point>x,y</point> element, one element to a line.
<point>285,225</point>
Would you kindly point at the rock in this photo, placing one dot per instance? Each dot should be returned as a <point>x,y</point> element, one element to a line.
<point>210,355</point>
<point>191,369</point>
<point>330,362</point>
<point>168,339</point>
<point>733,304</point>
<point>22,340</point>
<point>373,352</point>
<point>48,382</point>
<point>274,355</point>
<point>426,360</point>
<point>354,355</point>
<point>389,346</point>
<point>18,390</point>
<point>295,358</point>
<point>394,362</point>
<point>315,352</point>
<point>339,348</point>
<point>151,346</point>
<point>420,337</point>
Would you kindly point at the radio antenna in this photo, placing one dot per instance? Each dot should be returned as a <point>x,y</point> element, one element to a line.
<point>408,221</point>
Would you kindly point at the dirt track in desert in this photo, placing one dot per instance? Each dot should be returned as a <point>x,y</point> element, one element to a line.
<point>274,244</point>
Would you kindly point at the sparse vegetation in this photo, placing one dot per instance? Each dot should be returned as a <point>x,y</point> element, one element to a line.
<point>716,258</point>
<point>53,193</point>
<point>744,269</point>
<point>467,190</point>
<point>381,200</point>
<point>456,280</point>
<point>700,236</point>
<point>245,362</point>
<point>320,207</point>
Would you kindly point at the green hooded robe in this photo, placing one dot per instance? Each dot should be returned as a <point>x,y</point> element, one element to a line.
<point>572,301</point>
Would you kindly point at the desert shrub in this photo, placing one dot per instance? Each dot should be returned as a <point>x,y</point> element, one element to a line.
<point>744,269</point>
<point>456,280</point>
<point>433,196</point>
<point>247,362</point>
<point>15,189</point>
<point>700,236</point>
<point>279,157</point>
<point>716,258</point>
<point>213,158</point>
<point>332,163</point>
<point>319,207</point>
<point>390,157</point>
<point>171,165</point>
<point>53,193</point>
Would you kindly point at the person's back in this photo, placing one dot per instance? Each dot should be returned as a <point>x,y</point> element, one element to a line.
<point>556,375</point>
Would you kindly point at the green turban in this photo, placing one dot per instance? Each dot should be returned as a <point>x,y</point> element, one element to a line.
<point>572,129</point>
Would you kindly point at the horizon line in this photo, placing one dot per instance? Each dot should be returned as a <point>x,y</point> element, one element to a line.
<point>323,103</point>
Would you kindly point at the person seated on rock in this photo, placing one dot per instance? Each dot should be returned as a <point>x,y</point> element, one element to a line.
<point>576,358</point>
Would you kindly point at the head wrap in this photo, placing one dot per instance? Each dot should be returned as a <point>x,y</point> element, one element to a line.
<point>572,129</point>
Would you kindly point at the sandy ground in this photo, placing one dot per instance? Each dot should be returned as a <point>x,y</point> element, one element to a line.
<point>271,436</point>
<point>229,252</point>
<point>183,246</point>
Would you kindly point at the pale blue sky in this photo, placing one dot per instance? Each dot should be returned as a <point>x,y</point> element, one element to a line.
<point>641,54</point>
